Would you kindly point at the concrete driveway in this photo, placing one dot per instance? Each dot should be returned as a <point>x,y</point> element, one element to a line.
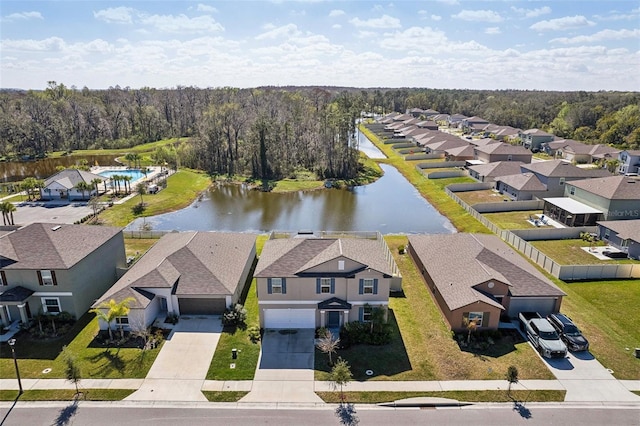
<point>285,368</point>
<point>181,367</point>
<point>585,379</point>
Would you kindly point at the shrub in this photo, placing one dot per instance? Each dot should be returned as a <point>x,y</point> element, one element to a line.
<point>236,315</point>
<point>254,333</point>
<point>401,249</point>
<point>360,333</point>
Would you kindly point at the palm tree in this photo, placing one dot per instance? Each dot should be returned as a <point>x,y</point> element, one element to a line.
<point>83,187</point>
<point>127,182</point>
<point>95,183</point>
<point>109,311</point>
<point>5,211</point>
<point>141,189</point>
<point>10,208</point>
<point>115,179</point>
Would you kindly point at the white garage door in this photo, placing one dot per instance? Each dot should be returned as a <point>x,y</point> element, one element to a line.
<point>289,318</point>
<point>544,306</point>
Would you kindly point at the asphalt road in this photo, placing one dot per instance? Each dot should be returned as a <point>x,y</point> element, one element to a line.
<point>96,414</point>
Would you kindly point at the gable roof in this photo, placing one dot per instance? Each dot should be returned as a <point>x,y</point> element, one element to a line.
<point>612,188</point>
<point>523,182</point>
<point>625,229</point>
<point>51,245</point>
<point>498,168</point>
<point>536,132</point>
<point>190,263</point>
<point>458,262</point>
<point>460,151</point>
<point>503,148</point>
<point>291,257</point>
<point>69,178</point>
<point>560,168</point>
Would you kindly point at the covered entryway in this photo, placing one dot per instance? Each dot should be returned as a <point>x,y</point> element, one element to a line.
<point>289,318</point>
<point>543,306</point>
<point>201,306</point>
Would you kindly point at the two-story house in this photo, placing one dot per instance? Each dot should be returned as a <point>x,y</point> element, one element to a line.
<point>323,282</point>
<point>629,162</point>
<point>51,268</point>
<point>533,139</point>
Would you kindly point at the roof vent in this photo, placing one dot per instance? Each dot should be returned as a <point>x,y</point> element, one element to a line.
<point>55,228</point>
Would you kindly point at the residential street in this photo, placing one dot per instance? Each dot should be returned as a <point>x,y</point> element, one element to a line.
<point>97,414</point>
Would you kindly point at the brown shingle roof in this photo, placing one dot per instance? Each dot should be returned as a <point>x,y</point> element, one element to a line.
<point>202,263</point>
<point>503,148</point>
<point>458,262</point>
<point>498,168</point>
<point>523,182</point>
<point>52,245</point>
<point>612,188</point>
<point>291,257</point>
<point>560,168</point>
<point>626,229</point>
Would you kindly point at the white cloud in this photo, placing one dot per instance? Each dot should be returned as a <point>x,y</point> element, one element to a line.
<point>23,16</point>
<point>206,8</point>
<point>118,15</point>
<point>51,44</point>
<point>492,30</point>
<point>385,21</point>
<point>182,23</point>
<point>366,34</point>
<point>288,30</point>
<point>600,36</point>
<point>478,15</point>
<point>532,13</point>
<point>436,17</point>
<point>449,2</point>
<point>336,26</point>
<point>336,12</point>
<point>559,24</point>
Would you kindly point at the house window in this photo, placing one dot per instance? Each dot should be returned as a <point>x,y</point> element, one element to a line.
<point>476,317</point>
<point>625,243</point>
<point>367,286</point>
<point>276,285</point>
<point>340,265</point>
<point>572,190</point>
<point>3,279</point>
<point>325,285</point>
<point>366,313</point>
<point>51,305</point>
<point>122,321</point>
<point>607,232</point>
<point>47,277</point>
<point>561,181</point>
<point>510,157</point>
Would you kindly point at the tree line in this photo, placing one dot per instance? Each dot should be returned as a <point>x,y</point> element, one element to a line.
<point>271,132</point>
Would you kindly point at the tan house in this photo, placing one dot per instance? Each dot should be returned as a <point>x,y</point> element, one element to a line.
<point>323,282</point>
<point>501,151</point>
<point>478,277</point>
<point>185,273</point>
<point>51,268</point>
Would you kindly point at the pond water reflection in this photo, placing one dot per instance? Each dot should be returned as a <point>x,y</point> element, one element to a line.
<point>389,205</point>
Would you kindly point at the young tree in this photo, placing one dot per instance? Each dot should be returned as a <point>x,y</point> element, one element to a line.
<point>94,204</point>
<point>512,377</point>
<point>141,189</point>
<point>328,344</point>
<point>340,376</point>
<point>72,370</point>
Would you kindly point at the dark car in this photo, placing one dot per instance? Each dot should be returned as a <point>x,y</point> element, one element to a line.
<point>568,332</point>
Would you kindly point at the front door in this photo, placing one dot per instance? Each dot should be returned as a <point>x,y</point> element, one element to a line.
<point>333,320</point>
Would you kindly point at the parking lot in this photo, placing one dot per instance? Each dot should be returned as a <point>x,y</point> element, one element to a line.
<point>27,213</point>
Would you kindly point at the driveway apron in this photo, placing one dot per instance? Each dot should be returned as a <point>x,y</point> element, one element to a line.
<point>181,367</point>
<point>285,368</point>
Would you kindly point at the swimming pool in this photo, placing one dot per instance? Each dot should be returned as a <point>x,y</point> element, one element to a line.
<point>134,173</point>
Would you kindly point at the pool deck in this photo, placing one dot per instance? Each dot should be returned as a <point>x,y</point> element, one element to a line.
<point>154,171</point>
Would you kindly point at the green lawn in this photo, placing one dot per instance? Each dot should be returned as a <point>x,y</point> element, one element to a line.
<point>464,396</point>
<point>136,247</point>
<point>423,347</point>
<point>67,395</point>
<point>148,148</point>
<point>482,196</point>
<point>512,220</point>
<point>224,396</point>
<point>182,189</point>
<point>34,356</point>
<point>607,313</point>
<point>569,252</point>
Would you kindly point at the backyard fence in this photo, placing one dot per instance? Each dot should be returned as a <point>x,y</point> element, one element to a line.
<point>509,206</point>
<point>447,174</point>
<point>144,234</point>
<point>563,272</point>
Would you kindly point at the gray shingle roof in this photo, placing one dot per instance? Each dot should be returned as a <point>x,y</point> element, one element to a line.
<point>503,148</point>
<point>52,245</point>
<point>291,257</point>
<point>194,263</point>
<point>523,182</point>
<point>612,188</point>
<point>498,168</point>
<point>69,178</point>
<point>560,168</point>
<point>458,262</point>
<point>626,229</point>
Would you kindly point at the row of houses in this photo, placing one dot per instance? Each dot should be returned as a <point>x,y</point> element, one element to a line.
<point>301,282</point>
<point>409,126</point>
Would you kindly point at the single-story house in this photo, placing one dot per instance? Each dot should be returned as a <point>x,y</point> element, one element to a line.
<point>521,186</point>
<point>622,234</point>
<point>51,268</point>
<point>62,185</point>
<point>323,282</point>
<point>185,273</point>
<point>478,277</point>
<point>489,172</point>
<point>501,151</point>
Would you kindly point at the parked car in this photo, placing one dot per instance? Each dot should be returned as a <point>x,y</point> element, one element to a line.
<point>542,335</point>
<point>569,333</point>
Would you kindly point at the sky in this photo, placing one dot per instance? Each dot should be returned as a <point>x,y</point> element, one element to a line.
<point>569,45</point>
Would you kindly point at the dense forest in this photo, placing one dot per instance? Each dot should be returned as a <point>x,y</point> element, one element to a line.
<point>271,132</point>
